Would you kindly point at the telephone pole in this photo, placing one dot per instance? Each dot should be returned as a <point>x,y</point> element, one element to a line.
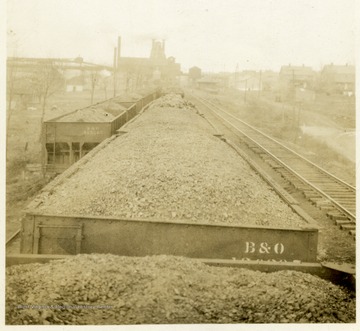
<point>114,71</point>
<point>260,84</point>
<point>245,90</point>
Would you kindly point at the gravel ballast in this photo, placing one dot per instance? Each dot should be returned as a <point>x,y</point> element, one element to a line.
<point>169,165</point>
<point>108,289</point>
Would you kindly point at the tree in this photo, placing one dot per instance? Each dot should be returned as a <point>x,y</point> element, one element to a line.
<point>19,89</point>
<point>10,91</point>
<point>46,81</point>
<point>11,77</point>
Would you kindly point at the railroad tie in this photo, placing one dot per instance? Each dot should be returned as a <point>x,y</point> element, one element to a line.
<point>312,195</point>
<point>323,204</point>
<point>347,227</point>
<point>334,215</point>
<point>343,222</point>
<point>353,233</point>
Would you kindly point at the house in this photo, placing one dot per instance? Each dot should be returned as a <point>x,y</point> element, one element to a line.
<point>296,76</point>
<point>338,79</point>
<point>292,79</point>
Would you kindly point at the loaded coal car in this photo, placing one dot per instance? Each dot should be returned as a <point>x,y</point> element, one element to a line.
<point>173,90</point>
<point>71,136</point>
<point>166,185</point>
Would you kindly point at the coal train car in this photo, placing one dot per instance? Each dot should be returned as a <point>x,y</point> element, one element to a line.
<point>71,136</point>
<point>165,184</point>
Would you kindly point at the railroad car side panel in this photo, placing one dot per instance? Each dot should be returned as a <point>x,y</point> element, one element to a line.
<point>72,235</point>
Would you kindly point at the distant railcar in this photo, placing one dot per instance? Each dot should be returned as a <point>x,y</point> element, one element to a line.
<point>71,136</point>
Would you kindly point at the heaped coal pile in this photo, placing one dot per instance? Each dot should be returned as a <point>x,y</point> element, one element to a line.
<point>108,289</point>
<point>170,166</point>
<point>90,114</point>
<point>173,100</point>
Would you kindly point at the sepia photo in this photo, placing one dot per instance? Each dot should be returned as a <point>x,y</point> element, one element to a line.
<point>179,164</point>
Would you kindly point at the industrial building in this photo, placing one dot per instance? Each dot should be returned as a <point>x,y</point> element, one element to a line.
<point>136,72</point>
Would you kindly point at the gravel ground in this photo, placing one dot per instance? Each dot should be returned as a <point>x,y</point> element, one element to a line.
<point>109,289</point>
<point>170,166</point>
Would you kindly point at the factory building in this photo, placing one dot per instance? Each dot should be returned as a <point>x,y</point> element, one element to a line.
<point>136,72</point>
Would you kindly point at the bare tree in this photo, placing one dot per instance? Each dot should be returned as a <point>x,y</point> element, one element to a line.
<point>10,91</point>
<point>46,81</point>
<point>11,77</point>
<point>19,89</point>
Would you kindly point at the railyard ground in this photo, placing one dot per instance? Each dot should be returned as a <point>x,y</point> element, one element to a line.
<point>298,126</point>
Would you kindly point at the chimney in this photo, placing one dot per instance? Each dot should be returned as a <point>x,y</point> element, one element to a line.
<point>115,51</point>
<point>118,52</point>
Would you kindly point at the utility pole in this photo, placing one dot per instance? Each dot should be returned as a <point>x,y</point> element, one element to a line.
<point>259,84</point>
<point>245,90</point>
<point>118,53</point>
<point>114,71</point>
<point>236,76</point>
<point>293,96</point>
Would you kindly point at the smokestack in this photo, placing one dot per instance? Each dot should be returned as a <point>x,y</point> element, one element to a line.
<point>114,82</point>
<point>163,46</point>
<point>118,52</point>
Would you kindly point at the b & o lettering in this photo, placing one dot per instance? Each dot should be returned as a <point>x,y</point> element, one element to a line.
<point>250,247</point>
<point>279,248</point>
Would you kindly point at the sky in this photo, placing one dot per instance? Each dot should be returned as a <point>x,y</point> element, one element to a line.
<point>215,35</point>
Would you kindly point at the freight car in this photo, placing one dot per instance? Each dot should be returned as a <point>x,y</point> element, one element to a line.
<point>71,136</point>
<point>147,191</point>
<point>172,90</point>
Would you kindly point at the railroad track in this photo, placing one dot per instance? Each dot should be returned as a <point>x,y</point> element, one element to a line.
<point>322,188</point>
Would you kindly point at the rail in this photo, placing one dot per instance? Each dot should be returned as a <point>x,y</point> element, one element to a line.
<point>261,139</point>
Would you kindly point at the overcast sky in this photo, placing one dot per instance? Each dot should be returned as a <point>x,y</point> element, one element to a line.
<point>215,35</point>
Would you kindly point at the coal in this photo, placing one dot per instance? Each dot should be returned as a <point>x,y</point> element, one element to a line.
<point>109,289</point>
<point>170,166</point>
